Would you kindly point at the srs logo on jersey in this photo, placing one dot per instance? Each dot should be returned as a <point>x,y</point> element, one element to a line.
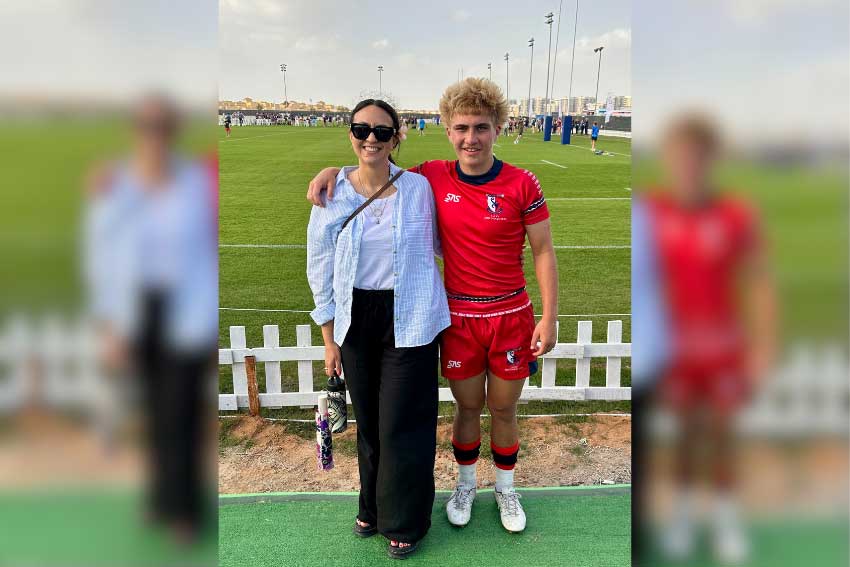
<point>452,198</point>
<point>453,364</point>
<point>493,204</point>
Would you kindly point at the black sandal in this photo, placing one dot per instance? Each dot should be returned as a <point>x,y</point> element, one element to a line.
<point>363,531</point>
<point>397,552</point>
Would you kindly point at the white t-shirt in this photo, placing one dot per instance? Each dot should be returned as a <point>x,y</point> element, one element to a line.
<point>160,220</point>
<point>375,263</point>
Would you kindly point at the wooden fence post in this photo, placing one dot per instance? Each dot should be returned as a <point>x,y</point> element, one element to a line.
<point>253,391</point>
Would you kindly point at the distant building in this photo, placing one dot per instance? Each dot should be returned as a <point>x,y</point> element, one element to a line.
<point>249,103</point>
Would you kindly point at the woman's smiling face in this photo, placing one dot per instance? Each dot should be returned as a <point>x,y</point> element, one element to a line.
<point>371,150</point>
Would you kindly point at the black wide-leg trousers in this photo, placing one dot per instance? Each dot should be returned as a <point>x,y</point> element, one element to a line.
<point>173,386</point>
<point>394,394</point>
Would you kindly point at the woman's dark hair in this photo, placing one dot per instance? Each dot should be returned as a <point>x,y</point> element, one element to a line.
<point>386,107</point>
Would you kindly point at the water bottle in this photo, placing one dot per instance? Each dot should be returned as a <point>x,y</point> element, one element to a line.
<point>337,408</point>
<point>324,440</point>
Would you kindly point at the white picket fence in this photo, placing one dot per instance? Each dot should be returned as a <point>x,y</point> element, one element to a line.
<point>52,362</point>
<point>271,354</point>
<point>809,392</point>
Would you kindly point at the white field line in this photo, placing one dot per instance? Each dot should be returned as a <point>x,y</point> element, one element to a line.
<point>295,246</point>
<point>304,246</point>
<point>623,247</point>
<point>264,310</point>
<point>589,199</point>
<point>304,311</point>
<point>553,163</point>
<point>581,148</point>
<point>252,137</point>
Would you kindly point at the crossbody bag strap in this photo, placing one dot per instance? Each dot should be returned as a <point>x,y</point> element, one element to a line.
<point>372,198</point>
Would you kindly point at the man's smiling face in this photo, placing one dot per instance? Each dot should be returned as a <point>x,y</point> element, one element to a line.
<point>472,137</point>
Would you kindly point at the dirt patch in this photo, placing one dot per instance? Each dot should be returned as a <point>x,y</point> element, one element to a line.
<point>775,477</point>
<point>41,449</point>
<point>264,456</point>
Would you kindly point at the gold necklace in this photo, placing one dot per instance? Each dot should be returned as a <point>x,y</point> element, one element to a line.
<point>376,211</point>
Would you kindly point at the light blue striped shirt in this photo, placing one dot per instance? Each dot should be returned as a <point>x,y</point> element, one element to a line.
<point>649,315</point>
<point>420,305</point>
<point>121,262</point>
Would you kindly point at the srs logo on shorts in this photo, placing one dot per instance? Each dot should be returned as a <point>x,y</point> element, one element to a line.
<point>452,198</point>
<point>453,364</point>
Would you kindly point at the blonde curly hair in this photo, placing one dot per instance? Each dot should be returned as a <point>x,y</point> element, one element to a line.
<point>474,96</point>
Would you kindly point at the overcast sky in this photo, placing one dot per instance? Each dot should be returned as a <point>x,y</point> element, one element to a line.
<point>110,49</point>
<point>333,47</point>
<point>770,69</point>
<point>766,67</point>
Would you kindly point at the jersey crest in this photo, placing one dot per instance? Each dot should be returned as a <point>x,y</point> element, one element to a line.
<point>493,204</point>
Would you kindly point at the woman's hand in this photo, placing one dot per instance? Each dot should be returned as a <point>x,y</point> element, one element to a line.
<point>113,351</point>
<point>333,359</point>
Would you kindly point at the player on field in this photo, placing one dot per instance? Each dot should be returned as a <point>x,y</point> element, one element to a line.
<point>520,126</point>
<point>421,126</point>
<point>713,270</point>
<point>594,134</point>
<point>227,121</point>
<point>485,210</point>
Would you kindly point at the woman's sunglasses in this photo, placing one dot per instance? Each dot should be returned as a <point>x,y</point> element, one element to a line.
<point>382,133</point>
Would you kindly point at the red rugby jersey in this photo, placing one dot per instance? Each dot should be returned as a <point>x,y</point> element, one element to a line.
<point>482,229</point>
<point>700,251</point>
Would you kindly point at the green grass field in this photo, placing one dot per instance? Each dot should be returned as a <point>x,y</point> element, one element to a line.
<point>264,173</point>
<point>97,526</point>
<point>579,527</point>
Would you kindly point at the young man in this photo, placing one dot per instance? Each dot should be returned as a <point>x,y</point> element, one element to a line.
<point>227,122</point>
<point>485,210</point>
<point>594,134</point>
<point>713,269</point>
<point>421,126</point>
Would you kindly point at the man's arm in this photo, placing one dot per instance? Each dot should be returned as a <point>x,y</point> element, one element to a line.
<point>546,268</point>
<point>325,180</point>
<point>761,303</point>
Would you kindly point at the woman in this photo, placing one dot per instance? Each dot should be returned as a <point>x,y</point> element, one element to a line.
<point>381,304</point>
<point>152,267</point>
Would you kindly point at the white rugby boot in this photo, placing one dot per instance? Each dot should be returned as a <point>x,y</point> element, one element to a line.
<point>730,543</point>
<point>459,506</point>
<point>679,538</point>
<point>510,510</point>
